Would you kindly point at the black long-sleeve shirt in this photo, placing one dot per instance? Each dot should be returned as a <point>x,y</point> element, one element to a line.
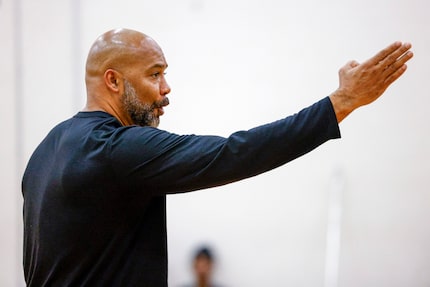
<point>95,191</point>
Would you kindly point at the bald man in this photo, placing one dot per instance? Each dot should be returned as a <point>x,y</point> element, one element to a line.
<point>95,188</point>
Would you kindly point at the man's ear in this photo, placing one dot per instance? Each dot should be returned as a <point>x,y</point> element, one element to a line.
<point>113,80</point>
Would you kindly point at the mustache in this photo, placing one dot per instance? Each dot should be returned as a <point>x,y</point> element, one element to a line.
<point>159,104</point>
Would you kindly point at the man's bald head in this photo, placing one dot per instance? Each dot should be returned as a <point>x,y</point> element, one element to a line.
<point>125,77</point>
<point>118,49</point>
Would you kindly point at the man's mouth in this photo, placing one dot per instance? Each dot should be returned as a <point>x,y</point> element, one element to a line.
<point>160,106</point>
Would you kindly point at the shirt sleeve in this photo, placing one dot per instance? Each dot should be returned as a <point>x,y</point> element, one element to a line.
<point>160,162</point>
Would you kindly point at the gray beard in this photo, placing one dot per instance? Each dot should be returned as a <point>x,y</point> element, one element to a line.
<point>140,113</point>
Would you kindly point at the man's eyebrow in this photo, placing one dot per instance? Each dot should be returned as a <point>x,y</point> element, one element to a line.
<point>158,65</point>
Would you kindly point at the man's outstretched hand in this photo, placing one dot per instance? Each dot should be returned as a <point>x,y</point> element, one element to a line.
<point>361,84</point>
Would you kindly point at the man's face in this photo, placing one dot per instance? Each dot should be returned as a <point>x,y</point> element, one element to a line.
<point>142,113</point>
<point>145,87</point>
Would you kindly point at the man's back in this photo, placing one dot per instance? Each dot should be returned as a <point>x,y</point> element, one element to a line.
<point>81,227</point>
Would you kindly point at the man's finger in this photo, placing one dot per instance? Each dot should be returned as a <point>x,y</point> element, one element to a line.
<point>395,75</point>
<point>381,55</point>
<point>395,70</point>
<point>400,55</point>
<point>398,61</point>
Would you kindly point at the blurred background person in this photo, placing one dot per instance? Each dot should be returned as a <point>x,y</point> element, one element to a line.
<point>203,264</point>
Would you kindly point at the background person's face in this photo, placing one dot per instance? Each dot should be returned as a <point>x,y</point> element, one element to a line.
<point>203,267</point>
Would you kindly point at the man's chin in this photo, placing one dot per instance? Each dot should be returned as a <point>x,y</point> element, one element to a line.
<point>154,123</point>
<point>148,120</point>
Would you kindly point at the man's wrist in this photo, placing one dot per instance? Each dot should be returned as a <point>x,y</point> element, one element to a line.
<point>342,106</point>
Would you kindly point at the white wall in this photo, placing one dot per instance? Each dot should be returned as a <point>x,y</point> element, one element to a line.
<point>233,65</point>
<point>9,186</point>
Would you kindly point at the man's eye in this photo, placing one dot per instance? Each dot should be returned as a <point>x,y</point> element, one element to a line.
<point>158,74</point>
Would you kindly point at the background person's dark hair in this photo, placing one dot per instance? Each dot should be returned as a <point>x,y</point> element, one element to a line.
<point>205,252</point>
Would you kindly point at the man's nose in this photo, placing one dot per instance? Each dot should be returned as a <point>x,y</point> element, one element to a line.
<point>164,87</point>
